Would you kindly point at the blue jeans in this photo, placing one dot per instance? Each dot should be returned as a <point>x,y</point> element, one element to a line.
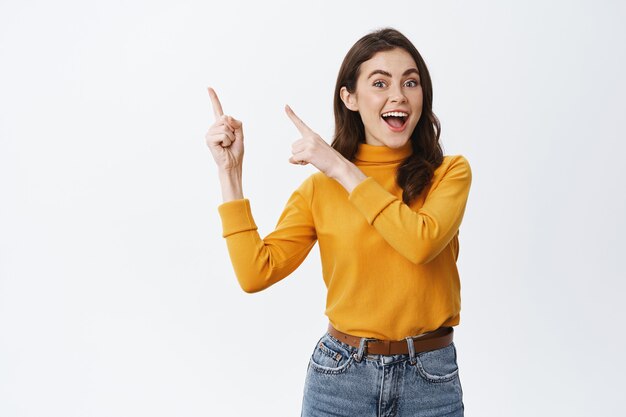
<point>343,380</point>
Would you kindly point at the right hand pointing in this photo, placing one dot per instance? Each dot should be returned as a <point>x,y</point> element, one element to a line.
<point>225,137</point>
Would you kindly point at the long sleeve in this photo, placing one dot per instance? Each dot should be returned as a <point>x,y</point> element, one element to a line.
<point>417,235</point>
<point>259,263</point>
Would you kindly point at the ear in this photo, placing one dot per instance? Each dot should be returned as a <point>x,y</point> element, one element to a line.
<point>349,99</point>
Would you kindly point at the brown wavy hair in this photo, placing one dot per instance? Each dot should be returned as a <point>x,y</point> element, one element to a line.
<point>416,171</point>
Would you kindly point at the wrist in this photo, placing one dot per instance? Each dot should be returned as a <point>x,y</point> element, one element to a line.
<point>349,175</point>
<point>230,173</point>
<point>231,184</point>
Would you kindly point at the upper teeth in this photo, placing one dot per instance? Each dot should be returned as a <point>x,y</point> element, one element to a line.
<point>395,114</point>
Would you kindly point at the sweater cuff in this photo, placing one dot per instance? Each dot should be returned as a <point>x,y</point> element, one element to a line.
<point>236,217</point>
<point>370,198</point>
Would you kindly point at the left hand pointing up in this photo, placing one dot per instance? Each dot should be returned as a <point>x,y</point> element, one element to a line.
<point>312,149</point>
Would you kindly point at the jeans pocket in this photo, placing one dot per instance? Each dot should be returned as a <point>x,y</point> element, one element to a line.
<point>439,365</point>
<point>330,356</point>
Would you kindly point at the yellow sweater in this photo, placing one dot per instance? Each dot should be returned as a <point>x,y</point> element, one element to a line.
<point>390,269</point>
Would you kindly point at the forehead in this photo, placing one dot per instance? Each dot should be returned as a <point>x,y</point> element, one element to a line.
<point>394,61</point>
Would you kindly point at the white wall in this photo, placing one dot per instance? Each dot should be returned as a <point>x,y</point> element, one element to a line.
<point>117,297</point>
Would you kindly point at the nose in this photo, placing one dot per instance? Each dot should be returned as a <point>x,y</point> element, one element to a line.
<point>396,95</point>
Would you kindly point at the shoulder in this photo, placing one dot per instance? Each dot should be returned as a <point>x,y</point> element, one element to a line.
<point>319,186</point>
<point>455,162</point>
<point>454,167</point>
<point>307,187</point>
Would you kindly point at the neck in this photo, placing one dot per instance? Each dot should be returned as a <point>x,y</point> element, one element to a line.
<point>383,154</point>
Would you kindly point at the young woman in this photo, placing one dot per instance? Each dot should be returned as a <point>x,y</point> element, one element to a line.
<point>385,208</point>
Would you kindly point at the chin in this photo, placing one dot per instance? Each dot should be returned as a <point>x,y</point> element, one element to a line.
<point>396,143</point>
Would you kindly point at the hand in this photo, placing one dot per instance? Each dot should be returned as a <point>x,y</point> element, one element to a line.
<point>311,148</point>
<point>225,137</point>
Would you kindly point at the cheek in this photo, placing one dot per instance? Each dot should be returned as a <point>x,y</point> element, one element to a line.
<point>419,98</point>
<point>374,107</point>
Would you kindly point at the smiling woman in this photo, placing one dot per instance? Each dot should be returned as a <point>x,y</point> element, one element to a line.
<point>385,191</point>
<point>387,91</point>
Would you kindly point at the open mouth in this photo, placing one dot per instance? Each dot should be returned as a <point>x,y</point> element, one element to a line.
<point>396,120</point>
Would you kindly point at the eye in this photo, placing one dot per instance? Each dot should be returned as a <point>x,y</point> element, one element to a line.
<point>411,83</point>
<point>378,83</point>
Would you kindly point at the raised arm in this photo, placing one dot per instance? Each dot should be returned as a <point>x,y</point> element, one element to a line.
<point>417,235</point>
<point>258,263</point>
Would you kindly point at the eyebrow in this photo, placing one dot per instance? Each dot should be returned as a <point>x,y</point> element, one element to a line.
<point>385,73</point>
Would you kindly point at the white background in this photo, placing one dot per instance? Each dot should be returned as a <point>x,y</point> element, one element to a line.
<point>117,296</point>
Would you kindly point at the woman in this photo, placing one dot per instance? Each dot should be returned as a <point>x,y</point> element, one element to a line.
<point>386,208</point>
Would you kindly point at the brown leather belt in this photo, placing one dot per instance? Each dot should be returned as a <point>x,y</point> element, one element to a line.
<point>436,339</point>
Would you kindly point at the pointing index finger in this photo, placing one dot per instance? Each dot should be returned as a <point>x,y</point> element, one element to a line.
<point>217,106</point>
<point>300,125</point>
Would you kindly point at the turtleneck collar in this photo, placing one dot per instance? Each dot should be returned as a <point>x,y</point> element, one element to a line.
<point>383,154</point>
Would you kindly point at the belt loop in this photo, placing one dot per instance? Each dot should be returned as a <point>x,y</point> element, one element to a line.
<point>409,342</point>
<point>359,355</point>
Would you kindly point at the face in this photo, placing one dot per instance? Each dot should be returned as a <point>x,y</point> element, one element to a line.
<point>388,96</point>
